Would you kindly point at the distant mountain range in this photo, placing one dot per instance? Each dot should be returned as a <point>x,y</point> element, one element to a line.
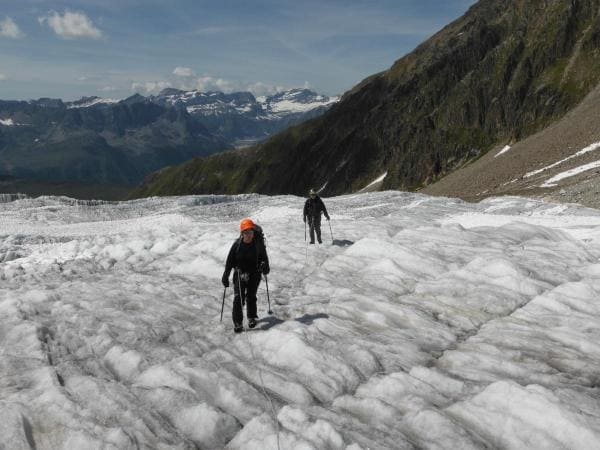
<point>504,71</point>
<point>96,141</point>
<point>240,118</point>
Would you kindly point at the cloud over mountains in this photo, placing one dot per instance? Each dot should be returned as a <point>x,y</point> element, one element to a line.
<point>9,29</point>
<point>71,25</point>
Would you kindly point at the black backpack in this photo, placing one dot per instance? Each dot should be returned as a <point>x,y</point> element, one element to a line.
<point>259,235</point>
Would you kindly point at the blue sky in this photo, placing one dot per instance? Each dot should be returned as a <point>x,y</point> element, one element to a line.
<point>70,49</point>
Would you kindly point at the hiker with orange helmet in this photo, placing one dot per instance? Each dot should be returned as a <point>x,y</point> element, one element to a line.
<point>248,256</point>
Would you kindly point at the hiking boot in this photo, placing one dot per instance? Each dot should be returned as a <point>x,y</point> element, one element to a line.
<point>311,242</point>
<point>320,241</point>
<point>238,327</point>
<point>251,323</point>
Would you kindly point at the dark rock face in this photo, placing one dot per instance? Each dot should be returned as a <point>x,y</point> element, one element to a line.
<point>504,70</point>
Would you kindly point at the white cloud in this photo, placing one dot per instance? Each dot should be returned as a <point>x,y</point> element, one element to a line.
<point>259,88</point>
<point>209,83</point>
<point>185,79</point>
<point>71,25</point>
<point>150,87</point>
<point>9,29</point>
<point>107,89</point>
<point>2,77</point>
<point>183,72</point>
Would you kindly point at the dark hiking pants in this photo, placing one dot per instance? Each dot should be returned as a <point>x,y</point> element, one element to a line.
<point>315,226</point>
<point>248,284</point>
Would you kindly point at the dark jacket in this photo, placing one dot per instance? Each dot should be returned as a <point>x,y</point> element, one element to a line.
<point>314,207</point>
<point>248,258</point>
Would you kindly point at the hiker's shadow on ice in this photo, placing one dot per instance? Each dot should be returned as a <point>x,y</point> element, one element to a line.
<point>269,322</point>
<point>342,242</point>
<point>307,319</point>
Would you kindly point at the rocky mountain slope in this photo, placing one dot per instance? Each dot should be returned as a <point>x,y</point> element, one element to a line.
<point>559,163</point>
<point>505,70</point>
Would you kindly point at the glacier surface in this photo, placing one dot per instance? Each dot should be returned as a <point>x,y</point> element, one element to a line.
<point>421,322</point>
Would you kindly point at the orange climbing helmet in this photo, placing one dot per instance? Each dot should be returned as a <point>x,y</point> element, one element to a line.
<point>246,224</point>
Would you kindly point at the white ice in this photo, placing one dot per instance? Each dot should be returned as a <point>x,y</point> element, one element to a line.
<point>570,173</point>
<point>504,150</point>
<point>420,322</point>
<point>95,101</point>
<point>291,106</point>
<point>7,122</point>
<point>583,151</point>
<point>374,182</point>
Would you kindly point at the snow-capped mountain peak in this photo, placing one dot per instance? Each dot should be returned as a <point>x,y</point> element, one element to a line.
<point>243,119</point>
<point>293,101</point>
<point>86,102</point>
<point>296,101</point>
<point>212,103</point>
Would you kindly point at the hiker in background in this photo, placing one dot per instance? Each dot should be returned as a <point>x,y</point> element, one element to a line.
<point>248,255</point>
<point>313,208</point>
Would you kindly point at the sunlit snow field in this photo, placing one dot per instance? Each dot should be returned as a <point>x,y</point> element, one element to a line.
<point>430,323</point>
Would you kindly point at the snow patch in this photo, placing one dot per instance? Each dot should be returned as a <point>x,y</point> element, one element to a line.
<point>570,173</point>
<point>583,151</point>
<point>290,106</point>
<point>374,182</point>
<point>504,150</point>
<point>96,101</point>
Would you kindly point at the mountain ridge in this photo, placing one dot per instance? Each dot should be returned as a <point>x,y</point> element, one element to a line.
<point>241,118</point>
<point>93,141</point>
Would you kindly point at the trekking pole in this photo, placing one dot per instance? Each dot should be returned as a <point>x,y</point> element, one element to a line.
<point>304,230</point>
<point>268,298</point>
<point>305,242</point>
<point>329,222</point>
<point>242,296</point>
<point>223,304</point>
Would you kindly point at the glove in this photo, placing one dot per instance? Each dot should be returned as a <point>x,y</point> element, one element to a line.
<point>225,280</point>
<point>327,217</point>
<point>264,268</point>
